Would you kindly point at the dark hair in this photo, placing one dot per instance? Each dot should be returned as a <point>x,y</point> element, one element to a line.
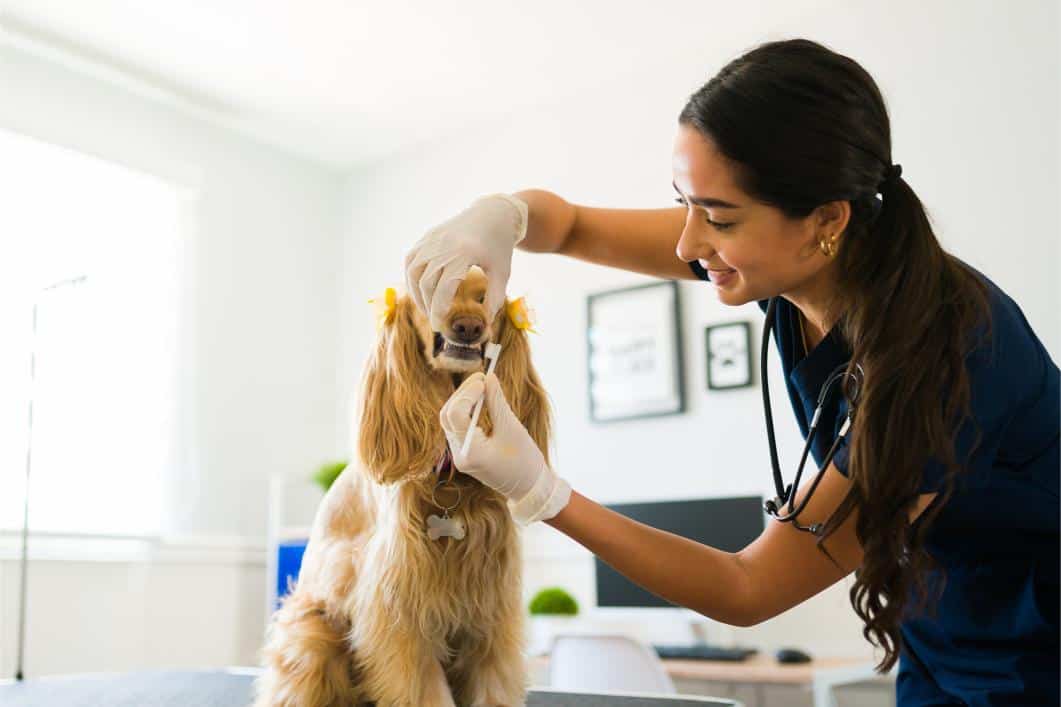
<point>805,126</point>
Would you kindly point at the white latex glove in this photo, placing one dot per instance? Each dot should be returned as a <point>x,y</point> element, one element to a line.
<point>484,234</point>
<point>507,461</point>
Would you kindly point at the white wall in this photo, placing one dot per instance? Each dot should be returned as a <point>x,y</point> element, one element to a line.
<point>261,309</point>
<point>259,382</point>
<point>134,608</point>
<point>972,89</point>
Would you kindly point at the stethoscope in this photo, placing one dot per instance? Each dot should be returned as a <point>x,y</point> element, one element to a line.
<point>783,507</point>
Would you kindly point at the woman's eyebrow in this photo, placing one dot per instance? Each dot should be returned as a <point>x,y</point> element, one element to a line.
<point>705,201</point>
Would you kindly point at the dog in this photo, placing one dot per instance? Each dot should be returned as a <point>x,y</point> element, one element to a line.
<point>381,612</point>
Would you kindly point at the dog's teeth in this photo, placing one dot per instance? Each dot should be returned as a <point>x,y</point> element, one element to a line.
<point>461,346</point>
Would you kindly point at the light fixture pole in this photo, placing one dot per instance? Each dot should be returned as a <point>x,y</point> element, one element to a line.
<point>29,461</point>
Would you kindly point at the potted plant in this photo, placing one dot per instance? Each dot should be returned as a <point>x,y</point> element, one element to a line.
<point>552,612</point>
<point>327,473</point>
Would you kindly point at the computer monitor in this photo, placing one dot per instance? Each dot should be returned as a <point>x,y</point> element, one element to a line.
<point>728,524</point>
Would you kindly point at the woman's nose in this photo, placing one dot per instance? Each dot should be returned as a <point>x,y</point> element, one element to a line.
<point>692,245</point>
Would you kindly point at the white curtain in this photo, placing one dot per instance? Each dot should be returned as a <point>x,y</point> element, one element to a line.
<point>104,412</point>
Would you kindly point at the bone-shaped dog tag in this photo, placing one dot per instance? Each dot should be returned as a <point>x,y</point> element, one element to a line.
<point>444,528</point>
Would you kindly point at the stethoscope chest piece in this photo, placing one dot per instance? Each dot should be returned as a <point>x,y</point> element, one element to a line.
<point>849,377</point>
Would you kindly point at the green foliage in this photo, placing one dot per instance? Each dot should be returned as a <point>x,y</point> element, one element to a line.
<point>327,473</point>
<point>553,600</point>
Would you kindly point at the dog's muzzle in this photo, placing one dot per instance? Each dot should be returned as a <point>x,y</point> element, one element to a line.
<point>451,349</point>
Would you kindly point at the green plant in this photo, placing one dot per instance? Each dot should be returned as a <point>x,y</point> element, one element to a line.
<point>553,600</point>
<point>327,473</point>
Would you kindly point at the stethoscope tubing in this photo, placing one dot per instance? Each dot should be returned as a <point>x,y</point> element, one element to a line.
<point>786,495</point>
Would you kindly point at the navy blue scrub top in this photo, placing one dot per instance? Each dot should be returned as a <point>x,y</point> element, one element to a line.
<point>993,636</point>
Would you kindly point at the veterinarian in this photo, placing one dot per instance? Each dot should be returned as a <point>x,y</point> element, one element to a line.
<point>938,443</point>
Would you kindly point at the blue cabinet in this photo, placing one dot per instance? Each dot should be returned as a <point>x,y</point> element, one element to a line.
<point>288,561</point>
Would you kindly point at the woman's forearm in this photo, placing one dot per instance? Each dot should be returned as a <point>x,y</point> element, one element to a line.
<point>639,240</point>
<point>550,221</point>
<point>680,570</point>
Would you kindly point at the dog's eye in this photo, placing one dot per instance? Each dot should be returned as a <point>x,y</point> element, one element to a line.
<point>481,298</point>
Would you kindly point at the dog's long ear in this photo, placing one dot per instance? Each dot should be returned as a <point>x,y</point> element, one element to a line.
<point>399,432</point>
<point>523,389</point>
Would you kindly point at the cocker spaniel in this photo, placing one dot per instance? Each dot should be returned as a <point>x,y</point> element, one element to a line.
<point>410,589</point>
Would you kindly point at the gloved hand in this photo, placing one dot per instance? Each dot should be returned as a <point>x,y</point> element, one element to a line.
<point>507,461</point>
<point>484,234</point>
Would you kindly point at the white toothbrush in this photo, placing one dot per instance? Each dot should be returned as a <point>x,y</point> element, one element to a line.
<point>493,351</point>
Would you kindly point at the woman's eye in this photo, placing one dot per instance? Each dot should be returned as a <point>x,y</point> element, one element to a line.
<point>720,226</point>
<point>717,225</point>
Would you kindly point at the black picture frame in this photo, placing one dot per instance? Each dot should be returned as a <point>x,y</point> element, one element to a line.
<point>728,346</point>
<point>627,344</point>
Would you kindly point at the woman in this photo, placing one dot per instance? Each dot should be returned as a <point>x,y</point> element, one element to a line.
<point>943,495</point>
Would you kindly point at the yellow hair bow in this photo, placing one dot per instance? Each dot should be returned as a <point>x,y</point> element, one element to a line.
<point>521,316</point>
<point>385,306</point>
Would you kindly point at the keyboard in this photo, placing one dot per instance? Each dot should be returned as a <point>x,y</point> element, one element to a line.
<point>703,651</point>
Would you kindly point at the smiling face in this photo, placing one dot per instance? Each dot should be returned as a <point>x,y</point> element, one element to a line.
<point>459,347</point>
<point>752,250</point>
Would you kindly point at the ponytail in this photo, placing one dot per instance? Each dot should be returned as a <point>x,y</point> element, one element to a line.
<point>909,308</point>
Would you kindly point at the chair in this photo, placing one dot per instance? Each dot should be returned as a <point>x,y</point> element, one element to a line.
<point>616,663</point>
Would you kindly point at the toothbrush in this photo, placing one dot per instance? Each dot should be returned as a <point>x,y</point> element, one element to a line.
<point>492,352</point>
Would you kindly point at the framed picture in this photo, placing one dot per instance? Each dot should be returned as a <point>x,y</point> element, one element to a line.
<point>635,353</point>
<point>729,358</point>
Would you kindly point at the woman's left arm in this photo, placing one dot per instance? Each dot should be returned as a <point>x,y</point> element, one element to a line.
<point>811,571</point>
<point>780,569</point>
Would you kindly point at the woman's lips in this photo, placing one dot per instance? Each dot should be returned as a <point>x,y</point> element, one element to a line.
<point>718,275</point>
<point>721,277</point>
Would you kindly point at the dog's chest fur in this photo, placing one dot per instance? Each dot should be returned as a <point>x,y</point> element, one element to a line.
<point>441,590</point>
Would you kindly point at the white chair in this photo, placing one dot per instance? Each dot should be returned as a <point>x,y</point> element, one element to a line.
<point>614,663</point>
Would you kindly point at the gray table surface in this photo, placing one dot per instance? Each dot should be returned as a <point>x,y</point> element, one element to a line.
<point>233,689</point>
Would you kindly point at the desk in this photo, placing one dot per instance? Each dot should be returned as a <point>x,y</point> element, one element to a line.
<point>756,674</point>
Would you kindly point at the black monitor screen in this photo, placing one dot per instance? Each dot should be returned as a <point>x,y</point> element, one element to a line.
<point>728,524</point>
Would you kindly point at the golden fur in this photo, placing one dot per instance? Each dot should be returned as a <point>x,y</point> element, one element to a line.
<point>380,612</point>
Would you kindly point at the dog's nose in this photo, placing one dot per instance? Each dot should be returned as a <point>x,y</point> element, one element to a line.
<point>468,329</point>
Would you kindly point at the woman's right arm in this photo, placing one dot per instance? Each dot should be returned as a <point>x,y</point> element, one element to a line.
<point>639,240</point>
<point>484,234</point>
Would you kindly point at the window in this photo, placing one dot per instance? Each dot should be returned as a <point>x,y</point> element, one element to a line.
<point>94,249</point>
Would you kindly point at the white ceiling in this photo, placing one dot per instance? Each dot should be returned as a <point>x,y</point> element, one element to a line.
<point>347,83</point>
